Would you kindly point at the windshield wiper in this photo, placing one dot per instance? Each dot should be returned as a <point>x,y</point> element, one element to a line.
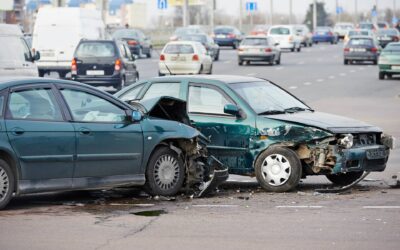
<point>272,112</point>
<point>297,109</point>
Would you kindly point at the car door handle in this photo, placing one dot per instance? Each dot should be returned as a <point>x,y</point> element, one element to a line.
<point>84,131</point>
<point>17,131</point>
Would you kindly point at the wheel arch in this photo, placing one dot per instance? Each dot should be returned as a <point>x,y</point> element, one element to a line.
<point>10,158</point>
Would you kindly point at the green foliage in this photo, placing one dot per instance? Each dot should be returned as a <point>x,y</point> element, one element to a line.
<point>322,16</point>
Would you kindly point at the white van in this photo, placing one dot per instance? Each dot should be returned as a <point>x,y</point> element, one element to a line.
<point>16,58</point>
<point>57,32</point>
<point>286,36</point>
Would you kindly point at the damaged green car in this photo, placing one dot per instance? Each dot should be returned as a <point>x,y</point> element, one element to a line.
<point>257,128</point>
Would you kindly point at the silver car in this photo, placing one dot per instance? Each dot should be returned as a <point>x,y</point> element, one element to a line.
<point>259,48</point>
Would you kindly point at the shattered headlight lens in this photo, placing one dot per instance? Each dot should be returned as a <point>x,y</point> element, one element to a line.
<point>346,141</point>
<point>388,140</point>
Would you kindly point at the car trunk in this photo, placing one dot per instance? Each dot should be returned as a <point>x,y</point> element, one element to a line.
<point>92,66</point>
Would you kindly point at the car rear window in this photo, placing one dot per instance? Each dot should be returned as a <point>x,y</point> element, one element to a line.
<point>390,32</point>
<point>361,41</point>
<point>255,42</point>
<point>125,34</point>
<point>368,26</point>
<point>280,31</point>
<point>196,38</point>
<point>179,49</point>
<point>223,30</point>
<point>392,48</point>
<point>95,49</point>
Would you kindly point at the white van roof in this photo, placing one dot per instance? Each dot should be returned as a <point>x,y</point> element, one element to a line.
<point>10,30</point>
<point>66,15</point>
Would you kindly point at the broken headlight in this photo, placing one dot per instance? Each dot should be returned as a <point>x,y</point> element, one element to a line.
<point>346,141</point>
<point>388,140</point>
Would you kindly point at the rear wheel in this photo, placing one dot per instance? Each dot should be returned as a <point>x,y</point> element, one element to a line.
<point>346,61</point>
<point>62,74</point>
<point>41,73</point>
<point>122,83</point>
<point>148,55</point>
<point>375,62</point>
<point>240,62</point>
<point>278,61</point>
<point>298,49</point>
<point>292,49</point>
<point>344,179</point>
<point>381,76</point>
<point>165,173</point>
<point>217,56</point>
<point>6,183</point>
<point>210,71</point>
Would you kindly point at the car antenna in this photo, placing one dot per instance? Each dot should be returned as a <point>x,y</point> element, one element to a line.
<point>164,63</point>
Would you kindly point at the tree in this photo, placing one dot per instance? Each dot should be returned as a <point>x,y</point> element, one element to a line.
<point>322,15</point>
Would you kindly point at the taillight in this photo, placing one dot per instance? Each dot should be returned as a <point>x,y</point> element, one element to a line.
<point>330,34</point>
<point>374,50</point>
<point>290,39</point>
<point>268,50</point>
<point>118,65</point>
<point>230,35</point>
<point>195,57</point>
<point>395,39</point>
<point>74,67</point>
<point>132,42</point>
<point>162,57</point>
<point>346,49</point>
<point>240,49</point>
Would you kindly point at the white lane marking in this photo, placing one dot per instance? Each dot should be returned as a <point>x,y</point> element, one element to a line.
<point>227,62</point>
<point>299,206</point>
<point>381,207</point>
<point>293,87</point>
<point>251,74</point>
<point>279,68</point>
<point>307,83</point>
<point>342,74</point>
<point>320,80</point>
<point>331,77</point>
<point>215,206</point>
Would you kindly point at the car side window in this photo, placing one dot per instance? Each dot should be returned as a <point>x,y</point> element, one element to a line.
<point>162,89</point>
<point>132,93</point>
<point>86,107</point>
<point>27,52</point>
<point>122,50</point>
<point>206,100</point>
<point>34,104</point>
<point>128,52</point>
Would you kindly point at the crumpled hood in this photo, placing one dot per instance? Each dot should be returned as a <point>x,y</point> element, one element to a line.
<point>329,122</point>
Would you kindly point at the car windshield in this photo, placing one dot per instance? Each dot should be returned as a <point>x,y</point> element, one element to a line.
<point>344,26</point>
<point>280,31</point>
<point>196,38</point>
<point>255,42</point>
<point>359,33</point>
<point>390,32</point>
<point>96,49</point>
<point>361,41</point>
<point>179,49</point>
<point>264,97</point>
<point>125,34</point>
<point>185,31</point>
<point>367,26</point>
<point>225,30</point>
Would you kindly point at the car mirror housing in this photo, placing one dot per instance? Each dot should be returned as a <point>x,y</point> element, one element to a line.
<point>136,116</point>
<point>232,109</point>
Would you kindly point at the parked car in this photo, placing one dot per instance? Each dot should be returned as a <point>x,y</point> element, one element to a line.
<point>368,26</point>
<point>341,29</point>
<point>227,36</point>
<point>386,36</point>
<point>305,35</point>
<point>104,63</point>
<point>260,49</point>
<point>285,35</point>
<point>358,32</point>
<point>62,135</point>
<point>139,44</point>
<point>211,47</point>
<point>184,57</point>
<point>258,128</point>
<point>360,49</point>
<point>389,61</point>
<point>182,31</point>
<point>57,32</point>
<point>260,29</point>
<point>16,58</point>
<point>325,34</point>
<point>383,25</point>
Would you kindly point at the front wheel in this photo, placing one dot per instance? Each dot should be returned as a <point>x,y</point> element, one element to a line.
<point>278,169</point>
<point>165,173</point>
<point>381,76</point>
<point>278,61</point>
<point>240,62</point>
<point>344,179</point>
<point>6,184</point>
<point>298,49</point>
<point>346,61</point>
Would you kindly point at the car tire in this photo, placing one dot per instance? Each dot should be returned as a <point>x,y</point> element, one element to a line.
<point>148,55</point>
<point>210,71</point>
<point>42,73</point>
<point>344,179</point>
<point>6,184</point>
<point>217,56</point>
<point>346,61</point>
<point>278,61</point>
<point>298,49</point>
<point>160,74</point>
<point>278,169</point>
<point>240,62</point>
<point>381,76</point>
<point>375,62</point>
<point>311,44</point>
<point>165,173</point>
<point>389,76</point>
<point>62,74</point>
<point>121,84</point>
<point>201,70</point>
<point>292,49</point>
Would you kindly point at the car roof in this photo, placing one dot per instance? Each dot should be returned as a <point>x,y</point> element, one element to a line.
<point>361,37</point>
<point>10,30</point>
<point>13,81</point>
<point>182,42</point>
<point>256,36</point>
<point>225,79</point>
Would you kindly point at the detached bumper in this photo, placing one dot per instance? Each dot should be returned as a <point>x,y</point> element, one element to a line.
<point>220,175</point>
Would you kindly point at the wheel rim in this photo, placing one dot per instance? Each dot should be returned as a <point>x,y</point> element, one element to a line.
<point>4,184</point>
<point>276,169</point>
<point>166,172</point>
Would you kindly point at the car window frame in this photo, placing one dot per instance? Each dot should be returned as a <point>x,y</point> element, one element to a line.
<point>58,102</point>
<point>147,86</point>
<point>139,94</point>
<point>219,90</point>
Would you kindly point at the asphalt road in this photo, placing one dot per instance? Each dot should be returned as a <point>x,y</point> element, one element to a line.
<point>240,215</point>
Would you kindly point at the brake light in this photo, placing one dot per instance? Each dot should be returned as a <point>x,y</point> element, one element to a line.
<point>268,50</point>
<point>374,50</point>
<point>162,57</point>
<point>74,67</point>
<point>118,65</point>
<point>195,57</point>
<point>132,42</point>
<point>346,49</point>
<point>240,49</point>
<point>395,39</point>
<point>330,34</point>
<point>230,35</point>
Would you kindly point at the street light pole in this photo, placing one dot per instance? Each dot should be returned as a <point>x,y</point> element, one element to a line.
<point>315,15</point>
<point>185,13</point>
<point>271,18</point>
<point>213,7</point>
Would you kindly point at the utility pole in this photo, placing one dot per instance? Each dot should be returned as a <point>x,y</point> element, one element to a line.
<point>271,18</point>
<point>315,15</point>
<point>185,13</point>
<point>290,11</point>
<point>240,14</point>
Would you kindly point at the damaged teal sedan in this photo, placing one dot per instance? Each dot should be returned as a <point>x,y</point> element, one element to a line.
<point>257,128</point>
<point>60,135</point>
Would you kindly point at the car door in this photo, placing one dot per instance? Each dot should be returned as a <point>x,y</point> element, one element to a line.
<point>106,144</point>
<point>229,135</point>
<point>42,139</point>
<point>129,64</point>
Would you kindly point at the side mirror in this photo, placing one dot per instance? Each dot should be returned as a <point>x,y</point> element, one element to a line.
<point>36,56</point>
<point>136,116</point>
<point>232,110</point>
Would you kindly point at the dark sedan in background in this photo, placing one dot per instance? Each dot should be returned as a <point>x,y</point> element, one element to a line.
<point>211,47</point>
<point>227,36</point>
<point>138,42</point>
<point>386,36</point>
<point>325,34</point>
<point>104,63</point>
<point>361,48</point>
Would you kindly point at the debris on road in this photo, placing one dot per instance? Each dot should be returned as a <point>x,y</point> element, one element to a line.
<point>395,181</point>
